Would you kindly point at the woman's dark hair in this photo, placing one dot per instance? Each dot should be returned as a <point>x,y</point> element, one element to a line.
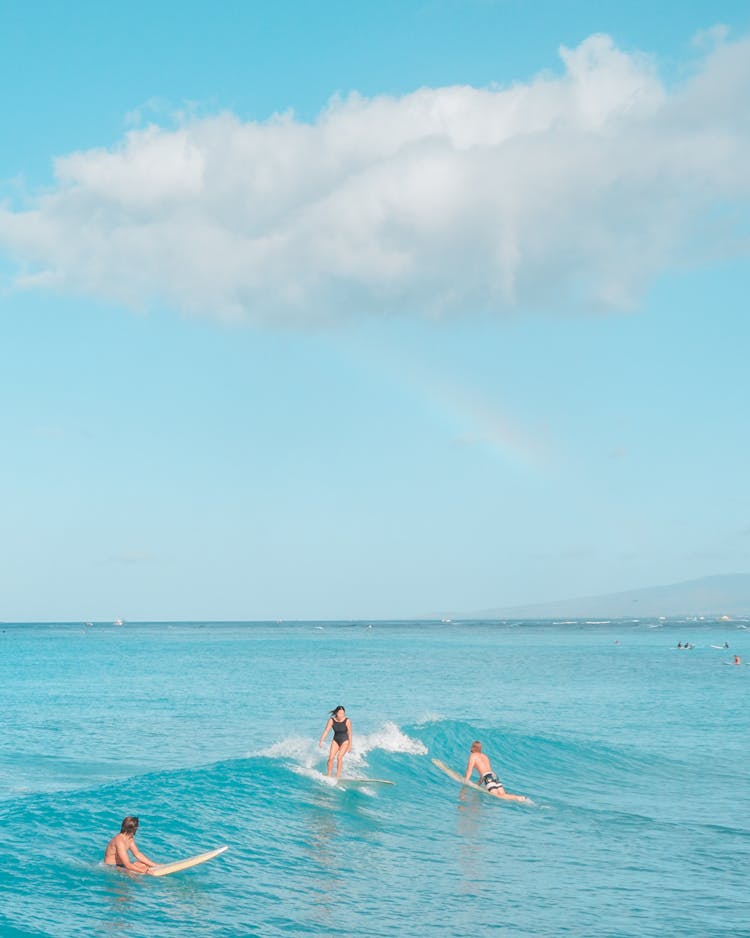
<point>336,710</point>
<point>129,825</point>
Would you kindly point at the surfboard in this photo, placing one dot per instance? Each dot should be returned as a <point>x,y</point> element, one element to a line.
<point>462,781</point>
<point>456,777</point>
<point>164,869</point>
<point>359,782</point>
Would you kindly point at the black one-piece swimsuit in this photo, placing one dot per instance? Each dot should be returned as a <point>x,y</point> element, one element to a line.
<point>340,731</point>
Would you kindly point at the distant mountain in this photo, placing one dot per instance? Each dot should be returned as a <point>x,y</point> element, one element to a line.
<point>727,595</point>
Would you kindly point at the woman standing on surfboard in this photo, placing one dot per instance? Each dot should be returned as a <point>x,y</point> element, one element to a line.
<point>123,844</point>
<point>341,743</point>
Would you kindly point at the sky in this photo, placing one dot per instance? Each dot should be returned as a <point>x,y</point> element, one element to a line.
<point>379,310</point>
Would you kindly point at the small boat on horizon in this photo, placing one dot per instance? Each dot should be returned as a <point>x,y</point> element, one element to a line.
<point>119,621</point>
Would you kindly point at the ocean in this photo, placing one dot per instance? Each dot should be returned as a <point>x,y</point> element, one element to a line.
<point>634,752</point>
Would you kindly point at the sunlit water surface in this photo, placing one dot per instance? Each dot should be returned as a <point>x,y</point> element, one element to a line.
<point>635,754</point>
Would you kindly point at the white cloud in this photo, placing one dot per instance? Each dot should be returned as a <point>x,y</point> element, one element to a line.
<point>573,190</point>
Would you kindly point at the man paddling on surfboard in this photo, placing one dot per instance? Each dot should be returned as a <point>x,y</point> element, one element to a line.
<point>122,845</point>
<point>479,761</point>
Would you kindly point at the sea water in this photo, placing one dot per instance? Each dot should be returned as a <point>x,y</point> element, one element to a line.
<point>634,752</point>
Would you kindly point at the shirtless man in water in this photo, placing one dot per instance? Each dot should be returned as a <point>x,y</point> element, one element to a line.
<point>479,761</point>
<point>122,845</point>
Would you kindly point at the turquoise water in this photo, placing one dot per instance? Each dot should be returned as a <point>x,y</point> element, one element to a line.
<point>635,754</point>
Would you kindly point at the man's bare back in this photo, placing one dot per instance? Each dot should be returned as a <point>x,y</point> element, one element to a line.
<point>118,850</point>
<point>487,778</point>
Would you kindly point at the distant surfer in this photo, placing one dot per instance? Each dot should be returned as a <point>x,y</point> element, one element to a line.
<point>737,659</point>
<point>341,743</point>
<point>122,845</point>
<point>479,761</point>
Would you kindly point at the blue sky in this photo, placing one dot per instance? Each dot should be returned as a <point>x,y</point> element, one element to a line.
<point>370,310</point>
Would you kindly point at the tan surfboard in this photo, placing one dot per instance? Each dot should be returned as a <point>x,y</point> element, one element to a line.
<point>164,869</point>
<point>456,777</point>
<point>462,781</point>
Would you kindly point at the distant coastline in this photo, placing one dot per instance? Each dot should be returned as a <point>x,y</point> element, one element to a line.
<point>710,596</point>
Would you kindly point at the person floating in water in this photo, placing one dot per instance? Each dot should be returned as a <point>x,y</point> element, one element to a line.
<point>479,761</point>
<point>737,659</point>
<point>341,743</point>
<point>122,845</point>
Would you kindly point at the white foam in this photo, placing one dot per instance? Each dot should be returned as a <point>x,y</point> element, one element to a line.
<point>299,749</point>
<point>389,738</point>
<point>314,774</point>
<point>430,717</point>
<point>305,753</point>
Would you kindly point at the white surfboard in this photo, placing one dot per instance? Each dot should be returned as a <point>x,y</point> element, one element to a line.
<point>360,782</point>
<point>462,781</point>
<point>164,869</point>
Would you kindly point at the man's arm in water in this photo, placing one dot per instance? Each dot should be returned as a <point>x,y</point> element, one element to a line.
<point>471,766</point>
